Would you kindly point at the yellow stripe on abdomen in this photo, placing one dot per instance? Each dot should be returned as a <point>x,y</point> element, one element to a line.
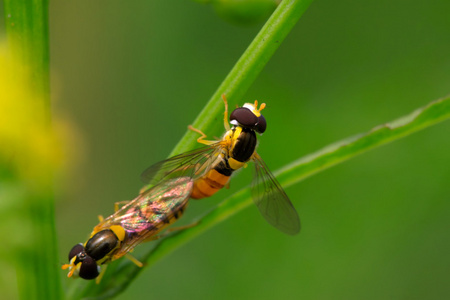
<point>235,164</point>
<point>209,184</point>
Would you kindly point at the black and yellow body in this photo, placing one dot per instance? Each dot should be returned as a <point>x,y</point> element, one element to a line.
<point>136,222</point>
<point>85,259</point>
<point>212,166</point>
<point>240,145</point>
<point>105,242</point>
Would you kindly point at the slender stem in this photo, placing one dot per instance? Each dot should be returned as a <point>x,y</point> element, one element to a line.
<point>248,67</point>
<point>37,265</point>
<point>27,33</point>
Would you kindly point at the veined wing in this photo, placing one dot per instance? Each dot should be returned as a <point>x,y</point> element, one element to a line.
<point>191,164</point>
<point>151,206</point>
<point>272,201</point>
<point>151,211</point>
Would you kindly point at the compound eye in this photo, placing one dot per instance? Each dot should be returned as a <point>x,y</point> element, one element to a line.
<point>101,244</point>
<point>262,124</point>
<point>77,249</point>
<point>89,268</point>
<point>244,116</point>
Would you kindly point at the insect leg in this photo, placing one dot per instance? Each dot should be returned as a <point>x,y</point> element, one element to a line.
<point>100,276</point>
<point>116,205</point>
<point>225,114</point>
<point>66,266</point>
<point>134,260</point>
<point>168,231</point>
<point>201,139</point>
<point>181,227</point>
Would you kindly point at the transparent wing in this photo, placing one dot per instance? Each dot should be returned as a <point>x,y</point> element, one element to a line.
<point>191,164</point>
<point>151,211</point>
<point>272,201</point>
<point>150,207</point>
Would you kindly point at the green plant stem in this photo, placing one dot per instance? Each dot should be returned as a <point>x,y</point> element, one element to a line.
<point>27,33</point>
<point>37,266</point>
<point>248,67</point>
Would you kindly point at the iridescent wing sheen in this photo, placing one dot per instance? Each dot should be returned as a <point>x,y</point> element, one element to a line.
<point>151,211</point>
<point>192,164</point>
<point>272,201</point>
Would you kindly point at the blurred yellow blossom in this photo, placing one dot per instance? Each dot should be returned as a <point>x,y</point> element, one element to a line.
<point>30,142</point>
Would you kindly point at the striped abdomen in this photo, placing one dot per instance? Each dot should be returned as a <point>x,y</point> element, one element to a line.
<point>242,146</point>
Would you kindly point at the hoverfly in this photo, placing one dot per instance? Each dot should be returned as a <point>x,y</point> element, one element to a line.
<point>140,220</point>
<point>212,166</point>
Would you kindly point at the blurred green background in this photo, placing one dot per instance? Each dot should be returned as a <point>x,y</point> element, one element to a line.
<point>132,75</point>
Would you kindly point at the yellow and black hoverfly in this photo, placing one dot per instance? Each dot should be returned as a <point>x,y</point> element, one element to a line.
<point>140,220</point>
<point>212,166</point>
